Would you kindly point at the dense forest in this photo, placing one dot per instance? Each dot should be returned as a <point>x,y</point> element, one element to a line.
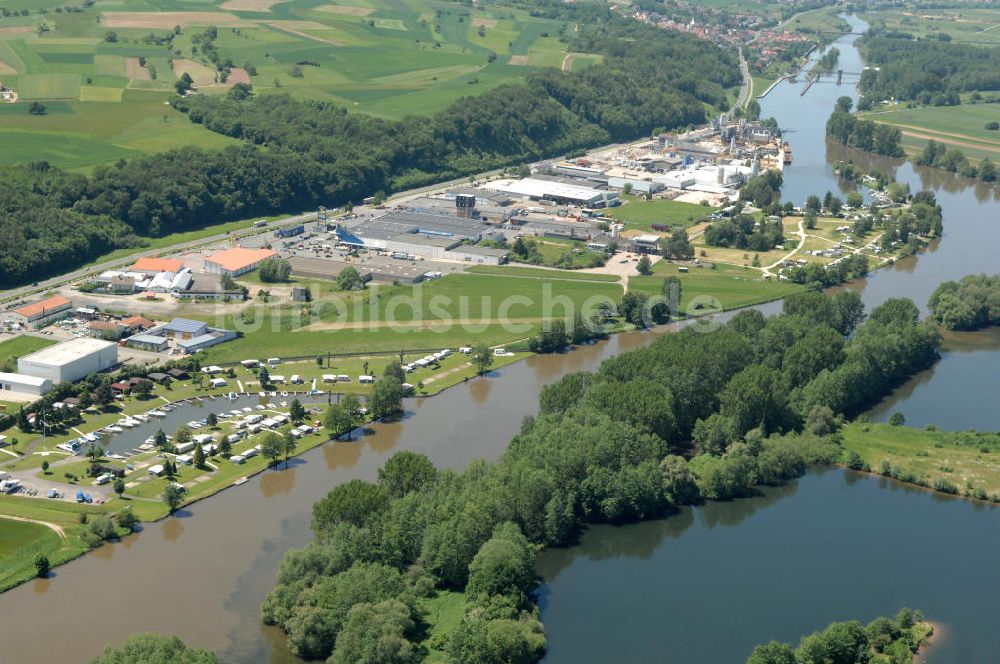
<point>300,154</point>
<point>928,71</point>
<point>882,641</point>
<point>968,304</point>
<point>695,416</point>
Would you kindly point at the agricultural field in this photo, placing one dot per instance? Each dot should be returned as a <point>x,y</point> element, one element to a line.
<point>978,26</point>
<point>104,74</point>
<point>640,215</point>
<point>962,127</point>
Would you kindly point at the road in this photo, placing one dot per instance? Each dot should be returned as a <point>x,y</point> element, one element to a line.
<point>120,262</point>
<point>747,87</point>
<point>76,275</point>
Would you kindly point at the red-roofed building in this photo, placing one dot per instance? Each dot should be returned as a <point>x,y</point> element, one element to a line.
<point>137,323</point>
<point>39,314</point>
<point>236,261</point>
<point>155,265</point>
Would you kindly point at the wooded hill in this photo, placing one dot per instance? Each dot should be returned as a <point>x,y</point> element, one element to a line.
<point>319,154</point>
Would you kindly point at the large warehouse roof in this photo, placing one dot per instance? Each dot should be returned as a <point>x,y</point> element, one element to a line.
<point>40,307</point>
<point>157,265</point>
<point>537,188</point>
<point>239,257</point>
<point>67,351</point>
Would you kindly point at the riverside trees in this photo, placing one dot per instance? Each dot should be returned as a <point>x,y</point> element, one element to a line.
<point>602,450</point>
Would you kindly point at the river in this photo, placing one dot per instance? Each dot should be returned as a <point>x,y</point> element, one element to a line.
<point>710,583</point>
<point>203,574</point>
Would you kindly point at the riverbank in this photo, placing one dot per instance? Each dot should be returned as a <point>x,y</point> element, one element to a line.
<point>965,464</point>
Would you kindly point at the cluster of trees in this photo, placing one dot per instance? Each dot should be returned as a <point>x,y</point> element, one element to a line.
<point>155,649</point>
<point>744,232</point>
<point>863,134</point>
<point>928,71</point>
<point>968,304</point>
<point>554,336</point>
<point>275,270</point>
<point>954,160</point>
<point>829,59</point>
<point>882,641</point>
<point>763,190</point>
<point>299,154</point>
<point>816,276</point>
<point>754,402</point>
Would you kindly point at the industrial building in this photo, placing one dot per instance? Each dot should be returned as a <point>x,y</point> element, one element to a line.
<point>145,276</point>
<point>154,265</point>
<point>70,361</point>
<point>189,336</point>
<point>39,314</point>
<point>22,384</point>
<point>558,192</point>
<point>409,232</point>
<point>236,261</point>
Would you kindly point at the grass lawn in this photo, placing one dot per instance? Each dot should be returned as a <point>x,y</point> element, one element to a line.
<point>537,273</point>
<point>969,460</point>
<point>731,287</point>
<point>641,215</point>
<point>22,345</point>
<point>20,541</point>
<point>458,310</point>
<point>444,613</point>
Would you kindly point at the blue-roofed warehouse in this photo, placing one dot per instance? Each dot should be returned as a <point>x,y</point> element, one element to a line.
<point>150,342</point>
<point>182,328</point>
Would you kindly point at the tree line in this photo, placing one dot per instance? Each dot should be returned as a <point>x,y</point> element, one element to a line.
<point>300,154</point>
<point>882,641</point>
<point>936,155</point>
<point>928,71</point>
<point>692,417</point>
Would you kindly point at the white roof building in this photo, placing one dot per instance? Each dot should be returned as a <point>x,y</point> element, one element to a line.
<point>70,361</point>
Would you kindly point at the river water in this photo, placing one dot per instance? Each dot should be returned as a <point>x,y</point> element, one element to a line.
<point>710,583</point>
<point>203,574</point>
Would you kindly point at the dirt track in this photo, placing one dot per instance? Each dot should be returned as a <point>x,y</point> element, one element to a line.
<point>58,530</point>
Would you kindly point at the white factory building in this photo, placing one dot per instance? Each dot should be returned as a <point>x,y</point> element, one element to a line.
<point>21,384</point>
<point>552,190</point>
<point>69,361</point>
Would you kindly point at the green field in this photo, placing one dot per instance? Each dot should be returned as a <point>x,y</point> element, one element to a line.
<point>21,345</point>
<point>969,24</point>
<point>385,57</point>
<point>963,127</point>
<point>538,273</point>
<point>20,541</point>
<point>730,286</point>
<point>968,460</point>
<point>458,310</point>
<point>639,215</point>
